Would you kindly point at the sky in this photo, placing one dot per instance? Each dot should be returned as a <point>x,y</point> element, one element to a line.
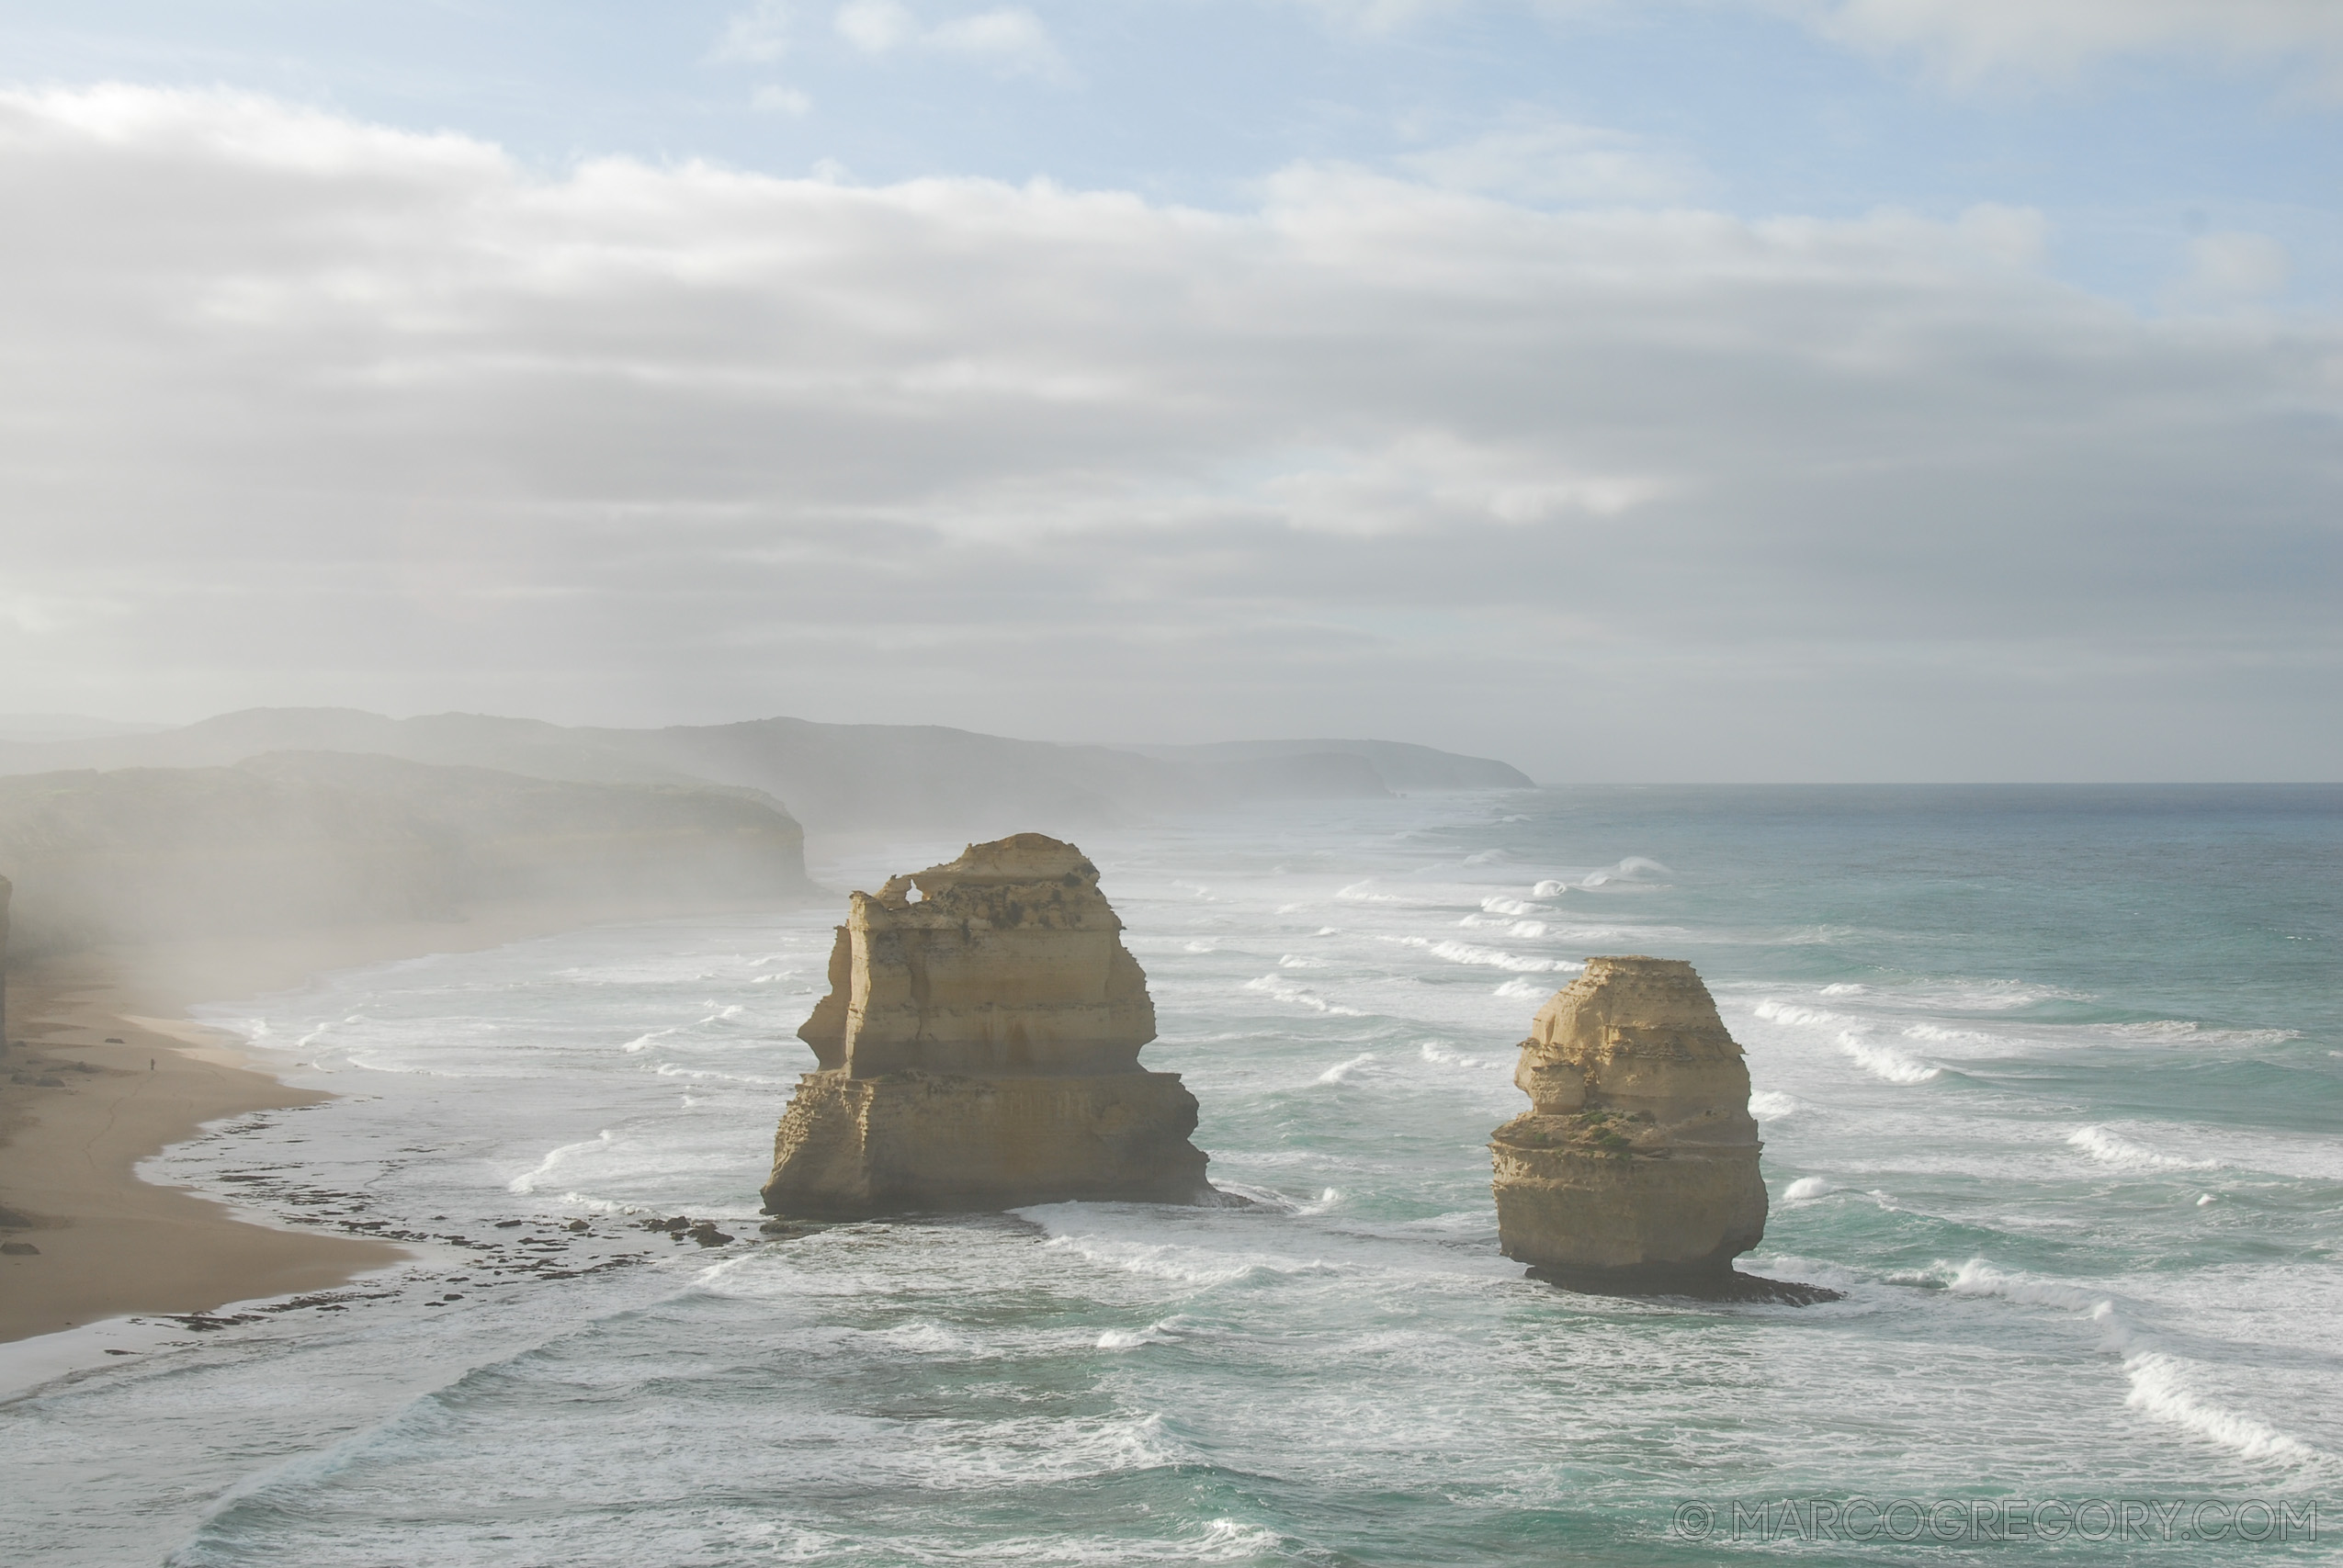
<point>1635,390</point>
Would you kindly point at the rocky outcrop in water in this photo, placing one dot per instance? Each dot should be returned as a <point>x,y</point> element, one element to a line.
<point>1637,1160</point>
<point>978,1049</point>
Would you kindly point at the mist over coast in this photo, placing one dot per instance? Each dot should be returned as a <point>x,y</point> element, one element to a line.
<point>1101,782</point>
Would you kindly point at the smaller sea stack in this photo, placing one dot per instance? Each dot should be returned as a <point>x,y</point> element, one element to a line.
<point>978,1049</point>
<point>1636,1167</point>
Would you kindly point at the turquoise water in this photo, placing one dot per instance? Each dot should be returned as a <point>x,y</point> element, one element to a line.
<point>2050,1081</point>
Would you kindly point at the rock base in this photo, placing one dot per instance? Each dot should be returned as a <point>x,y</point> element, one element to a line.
<point>913,1141</point>
<point>1571,1199</point>
<point>1701,1284</point>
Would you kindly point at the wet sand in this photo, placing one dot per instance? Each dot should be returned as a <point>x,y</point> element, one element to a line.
<point>131,1076</point>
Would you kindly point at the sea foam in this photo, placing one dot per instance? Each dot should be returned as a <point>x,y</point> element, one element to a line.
<point>1886,1062</point>
<point>1489,957</point>
<point>2110,1148</point>
<point>1499,906</point>
<point>1284,990</point>
<point>2160,1390</point>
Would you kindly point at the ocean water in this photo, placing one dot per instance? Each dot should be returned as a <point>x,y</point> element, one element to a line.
<point>2050,1082</point>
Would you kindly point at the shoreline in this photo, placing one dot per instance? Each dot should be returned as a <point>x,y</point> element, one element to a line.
<point>131,1075</point>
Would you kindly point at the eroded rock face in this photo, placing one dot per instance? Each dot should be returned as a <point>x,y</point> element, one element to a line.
<point>1638,1153</point>
<point>978,1049</point>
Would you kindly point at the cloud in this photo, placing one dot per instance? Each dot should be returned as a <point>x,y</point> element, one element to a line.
<point>1966,41</point>
<point>1011,38</point>
<point>303,409</point>
<point>1970,39</point>
<point>876,27</point>
<point>1384,16</point>
<point>775,99</point>
<point>1536,158</point>
<point>1011,34</point>
<point>758,35</point>
<point>1432,477</point>
<point>2227,267</point>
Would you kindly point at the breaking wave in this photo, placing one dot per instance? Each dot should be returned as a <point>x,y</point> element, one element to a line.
<point>1886,1063</point>
<point>1883,1062</point>
<point>1937,1031</point>
<point>1979,1277</point>
<point>1791,1012</point>
<point>2178,1030</point>
<point>1629,869</point>
<point>1131,1340</point>
<point>2109,1149</point>
<point>527,1180</point>
<point>1512,907</point>
<point>1465,953</point>
<point>2159,1389</point>
<point>1526,929</point>
<point>1301,996</point>
<point>1110,1241</point>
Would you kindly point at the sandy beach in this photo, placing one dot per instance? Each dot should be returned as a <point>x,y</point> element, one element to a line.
<point>111,1071</point>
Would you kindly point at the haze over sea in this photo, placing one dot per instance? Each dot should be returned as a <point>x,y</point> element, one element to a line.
<point>2049,1080</point>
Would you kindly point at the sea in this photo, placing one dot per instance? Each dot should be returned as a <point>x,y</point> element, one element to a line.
<point>2049,1082</point>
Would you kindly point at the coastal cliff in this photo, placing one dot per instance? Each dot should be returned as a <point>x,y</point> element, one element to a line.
<point>1638,1157</point>
<point>978,1049</point>
<point>292,842</point>
<point>836,777</point>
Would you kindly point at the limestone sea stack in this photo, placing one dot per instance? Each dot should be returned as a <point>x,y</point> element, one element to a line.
<point>1637,1160</point>
<point>978,1049</point>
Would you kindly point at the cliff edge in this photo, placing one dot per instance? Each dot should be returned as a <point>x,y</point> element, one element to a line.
<point>300,841</point>
<point>1637,1159</point>
<point>978,1049</point>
